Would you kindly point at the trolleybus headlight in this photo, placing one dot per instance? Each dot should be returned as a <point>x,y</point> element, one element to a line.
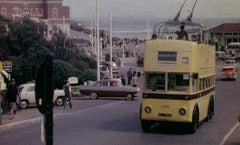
<point>148,109</point>
<point>182,111</point>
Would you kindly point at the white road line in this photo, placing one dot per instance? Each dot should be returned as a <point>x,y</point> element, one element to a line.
<point>10,125</point>
<point>229,134</point>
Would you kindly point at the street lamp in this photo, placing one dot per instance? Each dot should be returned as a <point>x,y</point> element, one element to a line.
<point>98,43</point>
<point>111,63</point>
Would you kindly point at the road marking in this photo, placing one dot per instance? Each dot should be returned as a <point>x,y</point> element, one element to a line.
<point>229,134</point>
<point>19,123</point>
<point>90,109</point>
<point>37,119</point>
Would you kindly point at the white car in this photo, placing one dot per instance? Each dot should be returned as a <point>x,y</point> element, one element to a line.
<point>27,94</point>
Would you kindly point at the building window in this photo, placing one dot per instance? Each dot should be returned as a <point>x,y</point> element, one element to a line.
<point>55,13</point>
<point>4,12</point>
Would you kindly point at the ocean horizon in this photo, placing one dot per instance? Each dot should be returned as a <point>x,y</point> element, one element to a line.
<point>124,26</point>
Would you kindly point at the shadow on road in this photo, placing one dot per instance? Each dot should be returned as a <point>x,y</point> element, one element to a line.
<point>170,128</point>
<point>131,123</point>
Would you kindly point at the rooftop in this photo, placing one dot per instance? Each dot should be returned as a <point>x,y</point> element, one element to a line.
<point>226,28</point>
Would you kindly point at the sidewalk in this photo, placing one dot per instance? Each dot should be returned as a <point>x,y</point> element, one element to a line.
<point>235,138</point>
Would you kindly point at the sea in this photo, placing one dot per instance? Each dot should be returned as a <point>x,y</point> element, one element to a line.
<point>137,27</point>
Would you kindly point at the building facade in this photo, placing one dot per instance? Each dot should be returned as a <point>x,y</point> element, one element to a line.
<point>51,12</point>
<point>226,33</point>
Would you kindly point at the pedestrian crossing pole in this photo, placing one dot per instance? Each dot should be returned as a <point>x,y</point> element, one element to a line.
<point>0,107</point>
<point>44,91</point>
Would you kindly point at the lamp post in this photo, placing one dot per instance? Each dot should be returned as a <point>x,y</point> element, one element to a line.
<point>98,42</point>
<point>111,63</point>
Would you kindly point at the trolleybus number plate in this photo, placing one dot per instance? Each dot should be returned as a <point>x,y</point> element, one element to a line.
<point>164,115</point>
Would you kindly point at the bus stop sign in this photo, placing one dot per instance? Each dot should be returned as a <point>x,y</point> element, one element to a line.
<point>44,87</point>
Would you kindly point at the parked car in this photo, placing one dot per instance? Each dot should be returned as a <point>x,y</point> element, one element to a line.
<point>221,55</point>
<point>27,94</point>
<point>229,72</point>
<point>110,88</point>
<point>231,63</point>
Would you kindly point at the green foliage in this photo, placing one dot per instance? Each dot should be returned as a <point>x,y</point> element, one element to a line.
<point>63,70</point>
<point>23,42</point>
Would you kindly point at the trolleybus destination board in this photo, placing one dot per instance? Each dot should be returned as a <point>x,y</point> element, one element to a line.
<point>167,56</point>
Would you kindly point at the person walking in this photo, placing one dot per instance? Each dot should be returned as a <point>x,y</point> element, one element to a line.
<point>123,80</point>
<point>68,95</point>
<point>134,80</point>
<point>129,74</point>
<point>12,94</point>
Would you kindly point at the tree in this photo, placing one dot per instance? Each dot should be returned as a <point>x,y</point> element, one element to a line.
<point>23,42</point>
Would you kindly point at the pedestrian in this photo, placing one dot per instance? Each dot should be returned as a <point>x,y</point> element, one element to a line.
<point>134,71</point>
<point>129,74</point>
<point>68,95</point>
<point>182,34</point>
<point>12,94</point>
<point>123,80</point>
<point>134,80</point>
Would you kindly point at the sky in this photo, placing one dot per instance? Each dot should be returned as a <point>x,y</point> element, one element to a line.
<point>156,8</point>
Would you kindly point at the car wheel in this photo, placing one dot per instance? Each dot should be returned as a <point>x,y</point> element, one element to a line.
<point>195,120</point>
<point>24,104</point>
<point>59,101</point>
<point>146,125</point>
<point>129,97</point>
<point>93,96</point>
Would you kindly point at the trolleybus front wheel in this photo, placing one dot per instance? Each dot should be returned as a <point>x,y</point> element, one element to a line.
<point>146,125</point>
<point>195,120</point>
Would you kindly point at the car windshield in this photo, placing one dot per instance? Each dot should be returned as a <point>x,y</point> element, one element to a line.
<point>234,46</point>
<point>229,62</point>
<point>228,69</point>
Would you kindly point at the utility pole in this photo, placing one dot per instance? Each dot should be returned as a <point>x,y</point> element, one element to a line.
<point>111,63</point>
<point>123,47</point>
<point>92,37</point>
<point>98,42</point>
<point>148,32</point>
<point>64,25</point>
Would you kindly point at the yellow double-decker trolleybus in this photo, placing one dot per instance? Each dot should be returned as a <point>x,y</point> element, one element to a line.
<point>179,78</point>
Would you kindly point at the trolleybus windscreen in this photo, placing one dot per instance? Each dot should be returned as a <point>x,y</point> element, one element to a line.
<point>167,56</point>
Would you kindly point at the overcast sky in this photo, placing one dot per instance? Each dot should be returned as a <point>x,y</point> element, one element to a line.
<point>160,8</point>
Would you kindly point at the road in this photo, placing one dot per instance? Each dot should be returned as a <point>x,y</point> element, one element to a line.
<point>116,122</point>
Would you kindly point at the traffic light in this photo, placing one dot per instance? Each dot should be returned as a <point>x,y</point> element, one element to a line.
<point>44,91</point>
